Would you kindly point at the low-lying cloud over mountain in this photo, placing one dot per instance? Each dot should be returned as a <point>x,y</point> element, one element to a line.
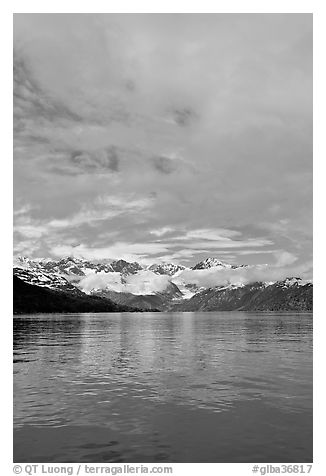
<point>143,282</point>
<point>123,277</point>
<point>210,284</point>
<point>245,275</point>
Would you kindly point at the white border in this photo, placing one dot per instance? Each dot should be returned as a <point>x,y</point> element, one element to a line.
<point>315,7</point>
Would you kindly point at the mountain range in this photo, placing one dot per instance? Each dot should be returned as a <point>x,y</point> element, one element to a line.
<point>119,285</point>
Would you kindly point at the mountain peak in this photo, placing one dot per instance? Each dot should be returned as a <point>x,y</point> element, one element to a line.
<point>124,267</point>
<point>211,263</point>
<point>293,281</point>
<point>166,268</point>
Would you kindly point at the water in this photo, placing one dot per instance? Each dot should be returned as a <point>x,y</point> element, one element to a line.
<point>155,387</point>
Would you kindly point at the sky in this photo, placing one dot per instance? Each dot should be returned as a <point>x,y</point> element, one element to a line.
<point>164,137</point>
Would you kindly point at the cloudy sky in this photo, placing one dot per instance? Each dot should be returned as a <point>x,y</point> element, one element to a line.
<point>169,137</point>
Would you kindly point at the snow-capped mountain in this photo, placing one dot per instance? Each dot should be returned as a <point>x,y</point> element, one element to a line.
<point>166,268</point>
<point>159,286</point>
<point>66,266</point>
<point>77,267</point>
<point>49,280</point>
<point>125,268</point>
<point>291,294</point>
<point>80,267</point>
<point>214,263</point>
<point>79,275</point>
<point>294,282</point>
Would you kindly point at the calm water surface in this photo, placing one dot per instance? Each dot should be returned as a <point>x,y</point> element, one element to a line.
<point>155,387</point>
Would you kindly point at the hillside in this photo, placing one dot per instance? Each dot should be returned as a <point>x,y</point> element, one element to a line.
<point>35,299</point>
<point>287,295</point>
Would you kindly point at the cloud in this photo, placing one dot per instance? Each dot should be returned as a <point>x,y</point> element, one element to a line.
<point>22,210</point>
<point>31,101</point>
<point>146,282</point>
<point>165,165</point>
<point>104,208</point>
<point>284,258</point>
<point>218,238</point>
<point>162,231</point>
<point>184,117</point>
<point>101,160</point>
<point>101,280</point>
<point>219,276</point>
<point>143,283</point>
<point>210,113</point>
<point>220,244</point>
<point>142,252</point>
<point>213,234</point>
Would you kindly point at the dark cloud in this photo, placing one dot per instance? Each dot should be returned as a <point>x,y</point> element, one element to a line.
<point>38,139</point>
<point>82,162</point>
<point>64,171</point>
<point>30,100</point>
<point>33,102</point>
<point>113,159</point>
<point>130,85</point>
<point>165,165</point>
<point>105,160</point>
<point>184,117</point>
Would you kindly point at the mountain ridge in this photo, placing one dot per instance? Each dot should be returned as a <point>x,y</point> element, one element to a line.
<point>165,285</point>
<point>279,296</point>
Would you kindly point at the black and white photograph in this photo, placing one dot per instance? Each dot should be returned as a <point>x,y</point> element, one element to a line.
<point>163,239</point>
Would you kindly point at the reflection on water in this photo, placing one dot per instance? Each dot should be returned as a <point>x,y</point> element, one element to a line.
<point>209,387</point>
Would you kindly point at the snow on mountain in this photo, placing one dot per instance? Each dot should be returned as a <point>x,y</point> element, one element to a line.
<point>190,280</point>
<point>294,282</point>
<point>286,295</point>
<point>166,268</point>
<point>119,276</point>
<point>212,263</point>
<point>48,280</point>
<point>66,266</point>
<point>27,263</point>
<point>80,267</point>
<point>125,268</point>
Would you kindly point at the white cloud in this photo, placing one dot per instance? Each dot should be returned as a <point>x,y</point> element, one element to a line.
<point>23,210</point>
<point>104,208</point>
<point>162,231</point>
<point>120,250</point>
<point>100,281</point>
<point>211,234</point>
<point>146,282</point>
<point>246,243</point>
<point>143,283</point>
<point>224,276</point>
<point>284,258</point>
